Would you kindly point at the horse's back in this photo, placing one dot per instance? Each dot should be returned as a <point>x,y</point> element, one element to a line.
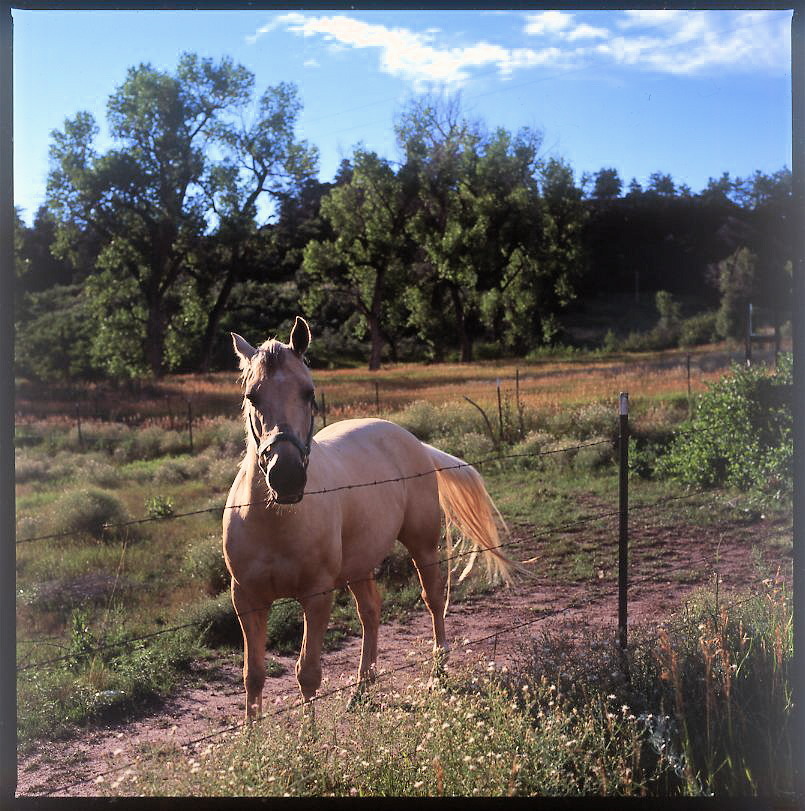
<point>373,443</point>
<point>387,490</point>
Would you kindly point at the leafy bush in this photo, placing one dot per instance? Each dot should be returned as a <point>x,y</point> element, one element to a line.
<point>28,468</point>
<point>216,621</point>
<point>698,329</point>
<point>584,423</point>
<point>86,511</point>
<point>204,563</point>
<point>741,432</point>
<point>712,689</point>
<point>159,506</point>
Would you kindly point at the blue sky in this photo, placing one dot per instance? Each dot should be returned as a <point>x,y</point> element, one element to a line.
<point>693,94</point>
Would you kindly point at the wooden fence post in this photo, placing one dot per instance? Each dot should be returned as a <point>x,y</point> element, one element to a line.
<point>78,425</point>
<point>623,519</point>
<point>500,414</point>
<point>323,411</point>
<point>190,424</point>
<point>690,399</point>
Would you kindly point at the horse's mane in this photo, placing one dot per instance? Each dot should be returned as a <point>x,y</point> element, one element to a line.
<point>269,356</point>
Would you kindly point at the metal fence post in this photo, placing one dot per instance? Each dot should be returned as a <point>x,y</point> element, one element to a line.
<point>623,518</point>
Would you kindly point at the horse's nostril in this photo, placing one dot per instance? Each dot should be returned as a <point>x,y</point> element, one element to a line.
<point>286,478</point>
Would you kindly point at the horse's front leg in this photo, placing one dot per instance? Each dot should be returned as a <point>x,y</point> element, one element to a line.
<point>308,667</point>
<point>252,618</point>
<point>367,600</point>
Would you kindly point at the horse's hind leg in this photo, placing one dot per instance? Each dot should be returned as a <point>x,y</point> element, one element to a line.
<point>252,620</point>
<point>424,548</point>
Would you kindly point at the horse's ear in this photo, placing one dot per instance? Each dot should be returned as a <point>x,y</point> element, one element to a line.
<point>243,349</point>
<point>300,336</point>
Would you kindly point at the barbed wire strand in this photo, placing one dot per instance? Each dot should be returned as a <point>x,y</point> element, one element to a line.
<point>322,491</point>
<point>384,674</point>
<point>381,675</point>
<point>199,623</point>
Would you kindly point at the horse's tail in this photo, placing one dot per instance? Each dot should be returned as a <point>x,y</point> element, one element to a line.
<point>468,507</point>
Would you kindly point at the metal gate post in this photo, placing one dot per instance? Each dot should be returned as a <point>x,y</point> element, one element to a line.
<point>623,518</point>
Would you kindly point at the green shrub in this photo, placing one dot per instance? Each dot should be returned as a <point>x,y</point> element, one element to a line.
<point>740,434</point>
<point>28,468</point>
<point>698,329</point>
<point>86,511</point>
<point>204,563</point>
<point>285,626</point>
<point>223,434</point>
<point>216,621</point>
<point>585,422</point>
<point>159,506</point>
<point>99,472</point>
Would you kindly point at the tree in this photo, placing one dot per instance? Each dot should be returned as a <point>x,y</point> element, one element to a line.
<point>475,220</point>
<point>440,147</point>
<point>607,184</point>
<point>262,161</point>
<point>150,201</point>
<point>635,189</point>
<point>366,259</point>
<point>552,265</point>
<point>661,184</point>
<point>736,282</point>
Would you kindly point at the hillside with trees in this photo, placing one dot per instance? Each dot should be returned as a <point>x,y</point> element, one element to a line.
<point>206,215</point>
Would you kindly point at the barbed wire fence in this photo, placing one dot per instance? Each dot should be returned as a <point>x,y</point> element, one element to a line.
<point>182,412</point>
<point>602,588</point>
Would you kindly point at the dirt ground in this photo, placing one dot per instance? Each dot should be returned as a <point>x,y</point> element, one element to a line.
<point>487,627</point>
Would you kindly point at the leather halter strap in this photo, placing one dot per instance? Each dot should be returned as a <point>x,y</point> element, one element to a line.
<point>263,449</point>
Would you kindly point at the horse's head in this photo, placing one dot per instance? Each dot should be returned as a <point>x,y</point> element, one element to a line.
<point>279,405</point>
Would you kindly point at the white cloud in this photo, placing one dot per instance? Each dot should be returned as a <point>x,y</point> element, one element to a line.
<point>673,42</point>
<point>585,31</point>
<point>410,54</point>
<point>686,43</point>
<point>547,22</point>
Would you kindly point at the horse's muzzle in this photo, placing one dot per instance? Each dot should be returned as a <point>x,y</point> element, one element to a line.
<point>286,476</point>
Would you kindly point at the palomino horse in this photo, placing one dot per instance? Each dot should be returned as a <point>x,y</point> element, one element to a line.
<point>279,544</point>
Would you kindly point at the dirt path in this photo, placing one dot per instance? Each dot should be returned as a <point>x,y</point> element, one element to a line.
<point>486,627</point>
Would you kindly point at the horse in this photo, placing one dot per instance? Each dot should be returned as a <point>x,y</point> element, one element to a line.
<point>307,515</point>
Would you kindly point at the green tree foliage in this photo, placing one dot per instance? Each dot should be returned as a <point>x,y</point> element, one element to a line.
<point>205,215</point>
<point>478,223</point>
<point>607,184</point>
<point>741,432</point>
<point>736,283</point>
<point>365,261</point>
<point>147,202</point>
<point>263,161</point>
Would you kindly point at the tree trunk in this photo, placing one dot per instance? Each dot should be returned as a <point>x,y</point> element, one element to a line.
<point>376,338</point>
<point>155,338</point>
<point>214,318</point>
<point>465,340</point>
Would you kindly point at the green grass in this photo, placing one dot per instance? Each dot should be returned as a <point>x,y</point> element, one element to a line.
<point>118,584</point>
<point>561,721</point>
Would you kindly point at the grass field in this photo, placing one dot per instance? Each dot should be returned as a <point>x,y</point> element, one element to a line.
<point>86,593</point>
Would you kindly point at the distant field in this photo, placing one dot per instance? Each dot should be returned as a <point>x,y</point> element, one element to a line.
<point>543,384</point>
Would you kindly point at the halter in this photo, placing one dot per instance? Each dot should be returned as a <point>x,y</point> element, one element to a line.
<point>263,449</point>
